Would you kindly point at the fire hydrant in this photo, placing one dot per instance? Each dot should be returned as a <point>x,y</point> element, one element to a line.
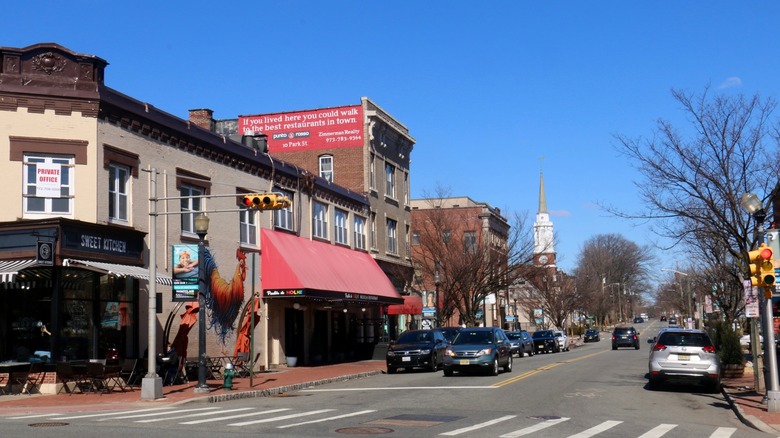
<point>228,374</point>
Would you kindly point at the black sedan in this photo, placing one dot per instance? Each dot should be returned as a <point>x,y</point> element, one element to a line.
<point>545,342</point>
<point>416,349</point>
<point>592,335</point>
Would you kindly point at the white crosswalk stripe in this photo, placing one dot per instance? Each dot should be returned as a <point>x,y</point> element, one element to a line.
<point>535,428</point>
<point>501,427</point>
<point>658,431</point>
<point>595,430</point>
<point>723,432</point>
<point>479,426</point>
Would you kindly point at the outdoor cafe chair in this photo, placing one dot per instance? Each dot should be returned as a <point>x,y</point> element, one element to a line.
<point>67,375</point>
<point>103,381</point>
<point>129,372</point>
<point>30,379</point>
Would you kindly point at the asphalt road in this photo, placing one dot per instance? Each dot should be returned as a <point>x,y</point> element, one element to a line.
<point>588,391</point>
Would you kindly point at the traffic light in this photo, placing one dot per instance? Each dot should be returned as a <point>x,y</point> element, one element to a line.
<point>762,267</point>
<point>266,201</point>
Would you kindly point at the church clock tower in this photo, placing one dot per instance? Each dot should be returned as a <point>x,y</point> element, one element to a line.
<point>544,252</point>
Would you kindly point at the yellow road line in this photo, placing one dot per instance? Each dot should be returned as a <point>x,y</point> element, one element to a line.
<point>528,374</point>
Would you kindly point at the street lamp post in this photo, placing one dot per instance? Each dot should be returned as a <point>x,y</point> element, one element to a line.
<point>688,283</point>
<point>436,283</point>
<point>752,205</point>
<point>201,228</point>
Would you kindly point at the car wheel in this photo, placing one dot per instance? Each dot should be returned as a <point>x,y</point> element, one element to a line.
<point>434,365</point>
<point>654,384</point>
<point>715,386</point>
<point>614,347</point>
<point>556,349</point>
<point>448,372</point>
<point>494,367</point>
<point>508,367</point>
<point>636,347</point>
<point>531,353</point>
<point>391,370</point>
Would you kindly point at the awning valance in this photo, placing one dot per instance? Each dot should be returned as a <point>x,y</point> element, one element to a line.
<point>294,266</point>
<point>115,269</point>
<point>9,268</point>
<point>412,306</point>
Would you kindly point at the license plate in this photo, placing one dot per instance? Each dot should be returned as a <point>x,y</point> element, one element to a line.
<point>406,359</point>
<point>540,347</point>
<point>684,357</point>
<point>464,361</point>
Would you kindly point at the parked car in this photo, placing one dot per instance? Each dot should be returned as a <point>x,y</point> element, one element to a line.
<point>449,333</point>
<point>663,318</point>
<point>744,341</point>
<point>592,335</point>
<point>625,337</point>
<point>672,320</point>
<point>563,340</point>
<point>416,349</point>
<point>521,343</point>
<point>545,342</point>
<point>478,349</point>
<point>685,355</point>
<point>639,320</point>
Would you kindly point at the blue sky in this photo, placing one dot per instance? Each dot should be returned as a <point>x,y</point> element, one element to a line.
<point>486,88</point>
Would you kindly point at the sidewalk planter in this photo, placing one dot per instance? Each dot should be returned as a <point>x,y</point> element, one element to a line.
<point>733,370</point>
<point>292,361</point>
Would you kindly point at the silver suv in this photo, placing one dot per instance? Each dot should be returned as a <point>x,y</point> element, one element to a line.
<point>684,355</point>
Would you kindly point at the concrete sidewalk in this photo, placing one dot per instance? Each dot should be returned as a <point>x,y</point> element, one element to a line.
<point>272,382</point>
<point>748,404</point>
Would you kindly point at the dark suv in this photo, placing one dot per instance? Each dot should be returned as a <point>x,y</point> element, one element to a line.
<point>416,349</point>
<point>625,337</point>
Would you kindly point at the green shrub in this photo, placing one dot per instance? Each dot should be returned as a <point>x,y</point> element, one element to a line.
<point>727,343</point>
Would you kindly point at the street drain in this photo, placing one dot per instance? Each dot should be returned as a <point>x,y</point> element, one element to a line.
<point>53,424</point>
<point>544,417</point>
<point>364,430</point>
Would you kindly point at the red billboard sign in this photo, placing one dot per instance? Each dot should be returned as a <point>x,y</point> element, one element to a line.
<point>325,128</point>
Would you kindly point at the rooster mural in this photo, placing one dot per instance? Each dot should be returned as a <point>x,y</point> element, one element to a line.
<point>224,298</point>
<point>223,301</point>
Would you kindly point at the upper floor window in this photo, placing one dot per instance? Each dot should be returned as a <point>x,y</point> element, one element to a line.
<point>49,184</point>
<point>340,225</point>
<point>360,233</point>
<point>470,242</point>
<point>319,223</point>
<point>118,182</point>
<point>283,217</point>
<point>373,230</point>
<point>326,167</point>
<point>406,187</point>
<point>415,238</point>
<point>392,237</point>
<point>371,160</point>
<point>390,180</point>
<point>247,221</point>
<point>445,236</point>
<point>190,203</point>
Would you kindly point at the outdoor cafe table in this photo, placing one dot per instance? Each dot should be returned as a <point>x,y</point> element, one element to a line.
<point>8,369</point>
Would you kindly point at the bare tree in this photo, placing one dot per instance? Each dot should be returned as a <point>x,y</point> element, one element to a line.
<point>468,256</point>
<point>554,292</point>
<point>606,261</point>
<point>693,180</point>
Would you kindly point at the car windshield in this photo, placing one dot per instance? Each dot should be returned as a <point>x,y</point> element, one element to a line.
<point>685,339</point>
<point>511,335</point>
<point>449,334</point>
<point>624,331</point>
<point>543,334</point>
<point>473,337</point>
<point>591,332</point>
<point>414,337</point>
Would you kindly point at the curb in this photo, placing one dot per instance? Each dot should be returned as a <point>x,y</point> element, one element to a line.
<point>278,390</point>
<point>747,420</point>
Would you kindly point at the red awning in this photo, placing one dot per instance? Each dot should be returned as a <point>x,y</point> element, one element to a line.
<point>294,266</point>
<point>412,306</point>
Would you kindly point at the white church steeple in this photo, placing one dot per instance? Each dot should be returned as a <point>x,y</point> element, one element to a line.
<point>544,252</point>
